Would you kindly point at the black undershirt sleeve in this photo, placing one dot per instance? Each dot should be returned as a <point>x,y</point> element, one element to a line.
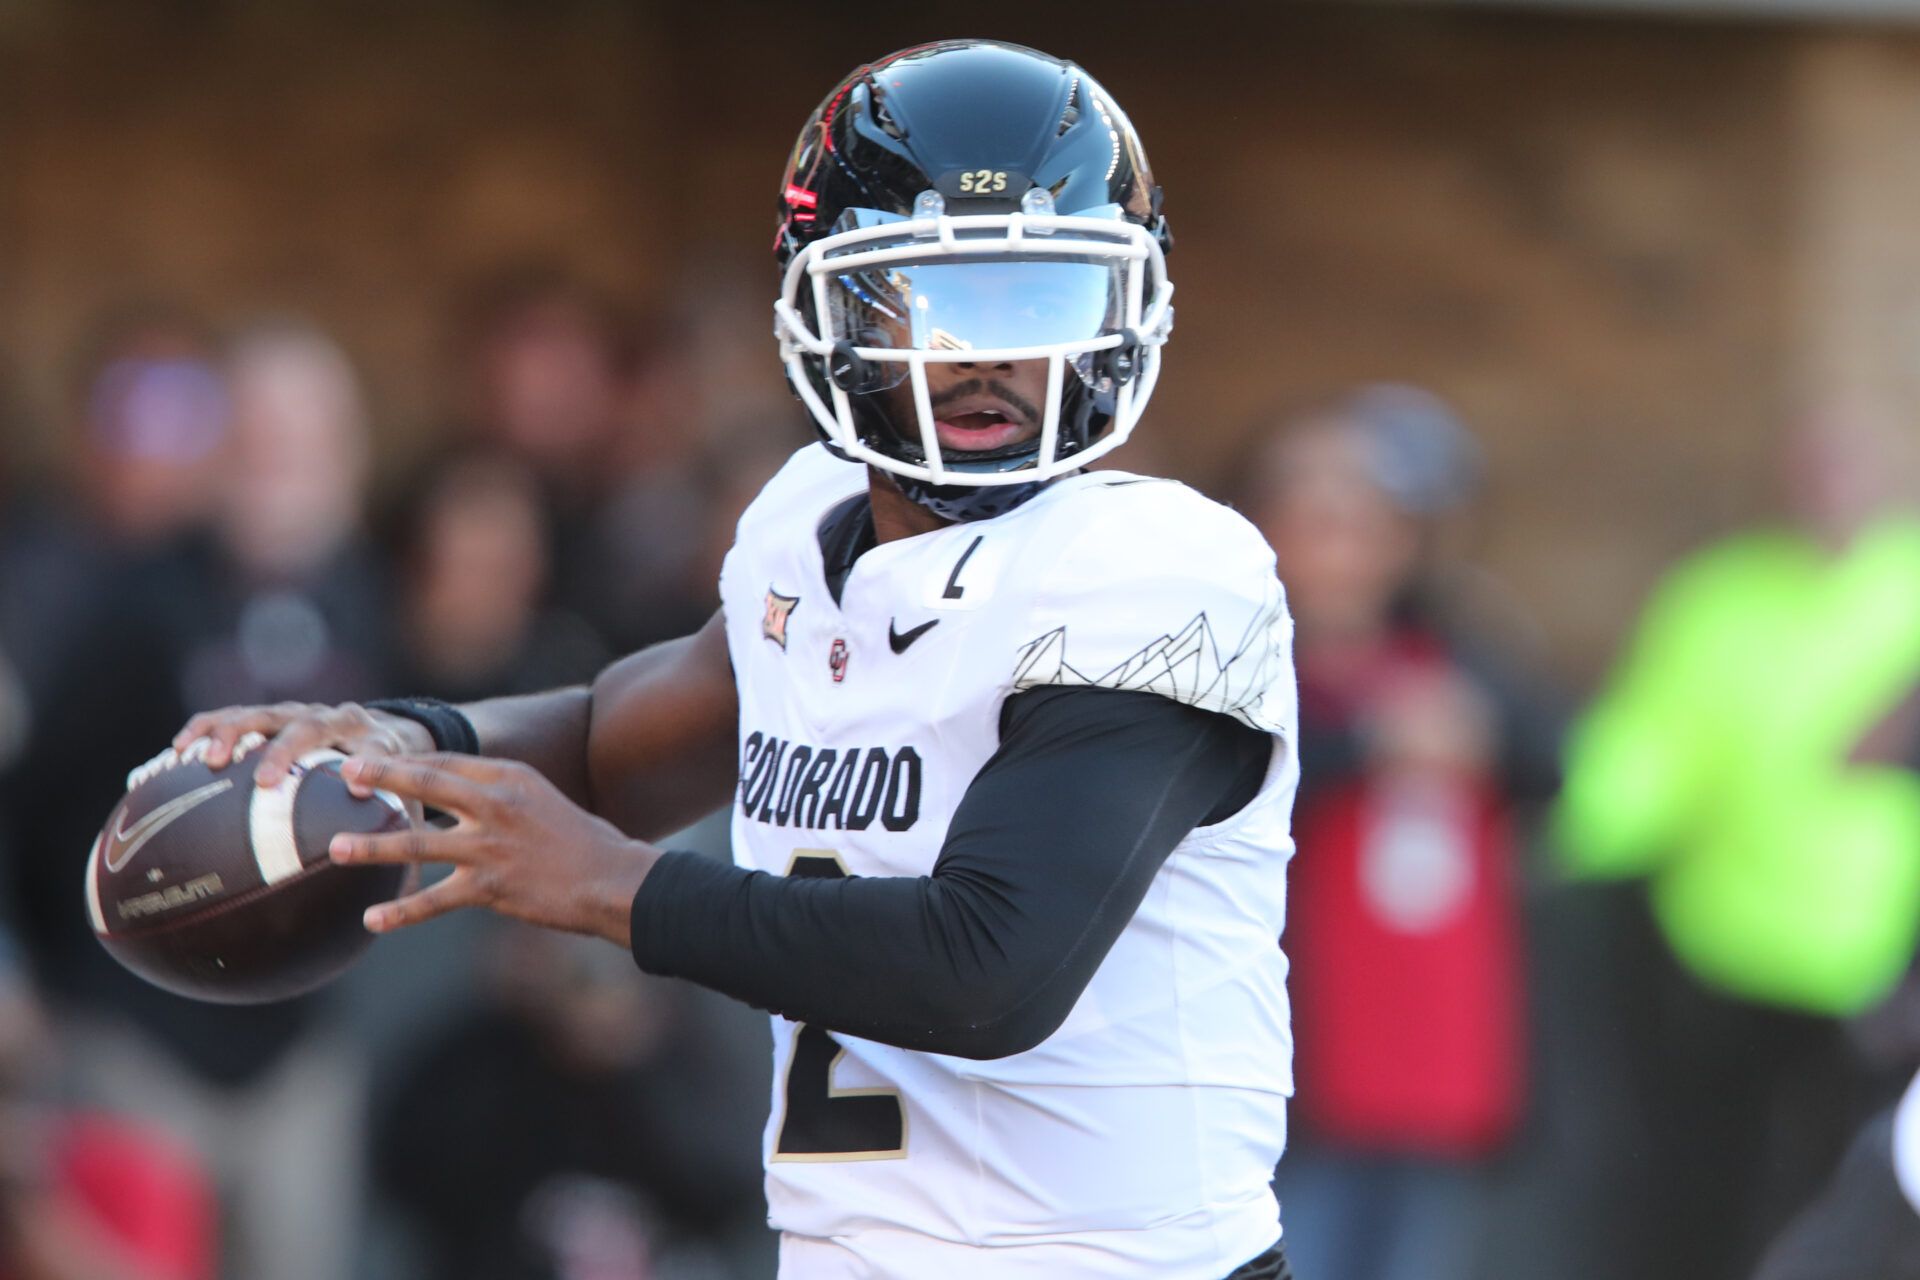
<point>1048,857</point>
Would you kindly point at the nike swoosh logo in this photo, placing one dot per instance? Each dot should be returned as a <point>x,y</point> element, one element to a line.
<point>901,639</point>
<point>128,841</point>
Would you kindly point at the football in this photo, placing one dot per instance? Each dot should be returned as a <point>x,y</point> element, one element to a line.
<point>214,888</point>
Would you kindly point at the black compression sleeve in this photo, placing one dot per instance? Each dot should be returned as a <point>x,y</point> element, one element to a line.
<point>1047,858</point>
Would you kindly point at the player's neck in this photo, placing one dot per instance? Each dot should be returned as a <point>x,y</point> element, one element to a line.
<point>896,516</point>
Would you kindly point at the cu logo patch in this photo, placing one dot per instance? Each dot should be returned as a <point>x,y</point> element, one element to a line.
<point>837,660</point>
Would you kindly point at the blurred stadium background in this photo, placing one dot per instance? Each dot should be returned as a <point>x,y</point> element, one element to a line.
<point>354,348</point>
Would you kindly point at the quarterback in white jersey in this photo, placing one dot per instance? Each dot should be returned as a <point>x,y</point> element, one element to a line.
<point>1159,1101</point>
<point>1009,744</point>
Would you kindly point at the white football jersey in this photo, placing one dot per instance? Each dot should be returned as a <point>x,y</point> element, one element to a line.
<point>1139,1139</point>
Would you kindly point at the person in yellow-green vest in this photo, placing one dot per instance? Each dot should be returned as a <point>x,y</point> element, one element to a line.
<point>1738,761</point>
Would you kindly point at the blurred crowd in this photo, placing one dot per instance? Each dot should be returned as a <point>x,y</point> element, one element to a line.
<point>487,1102</point>
<point>1579,993</point>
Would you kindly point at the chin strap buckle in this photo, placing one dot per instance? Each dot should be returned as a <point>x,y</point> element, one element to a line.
<point>1122,362</point>
<point>849,371</point>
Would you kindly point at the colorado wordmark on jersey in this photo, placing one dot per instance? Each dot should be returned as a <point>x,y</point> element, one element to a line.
<point>1139,1139</point>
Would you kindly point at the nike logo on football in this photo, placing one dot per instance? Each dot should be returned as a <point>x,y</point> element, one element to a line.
<point>901,639</point>
<point>128,841</point>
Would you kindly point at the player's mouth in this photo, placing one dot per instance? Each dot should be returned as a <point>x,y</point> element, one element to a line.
<point>978,424</point>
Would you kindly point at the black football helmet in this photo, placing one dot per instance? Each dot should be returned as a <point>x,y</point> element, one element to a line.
<point>966,201</point>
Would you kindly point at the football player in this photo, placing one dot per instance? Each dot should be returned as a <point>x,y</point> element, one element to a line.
<point>1009,744</point>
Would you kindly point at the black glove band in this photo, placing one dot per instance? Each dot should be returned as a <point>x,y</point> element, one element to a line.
<point>451,729</point>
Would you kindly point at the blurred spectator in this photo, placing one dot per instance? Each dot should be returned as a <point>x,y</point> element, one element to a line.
<point>289,596</point>
<point>472,554</point>
<point>547,364</point>
<point>281,600</point>
<point>149,422</point>
<point>1403,924</point>
<point>603,1128</point>
<point>291,496</point>
<point>86,1196</point>
<point>590,400</point>
<point>153,415</point>
<point>1738,762</point>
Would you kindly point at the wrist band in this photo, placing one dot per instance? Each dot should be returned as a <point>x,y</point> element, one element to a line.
<point>451,729</point>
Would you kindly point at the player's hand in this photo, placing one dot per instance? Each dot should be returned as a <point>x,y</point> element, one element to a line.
<point>519,847</point>
<point>295,728</point>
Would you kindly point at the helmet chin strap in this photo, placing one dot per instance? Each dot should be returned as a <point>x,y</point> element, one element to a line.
<point>965,503</point>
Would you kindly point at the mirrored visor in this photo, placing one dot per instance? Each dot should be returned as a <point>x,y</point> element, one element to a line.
<point>978,305</point>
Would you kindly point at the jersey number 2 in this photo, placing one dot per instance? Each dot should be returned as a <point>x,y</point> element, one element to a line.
<point>822,1122</point>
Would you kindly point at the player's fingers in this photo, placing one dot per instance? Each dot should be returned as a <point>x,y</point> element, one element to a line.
<point>196,728</point>
<point>293,740</point>
<point>451,894</point>
<point>347,728</point>
<point>366,736</point>
<point>414,845</point>
<point>237,724</point>
<point>485,770</point>
<point>453,783</point>
<point>227,724</point>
